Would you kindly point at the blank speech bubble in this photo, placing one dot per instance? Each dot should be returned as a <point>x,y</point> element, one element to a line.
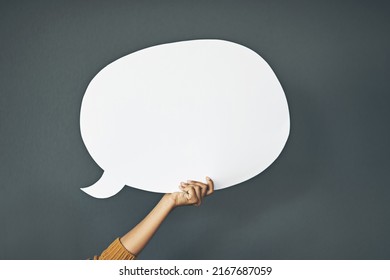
<point>183,110</point>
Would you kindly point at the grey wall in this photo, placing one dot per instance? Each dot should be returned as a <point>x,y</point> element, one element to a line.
<point>326,196</point>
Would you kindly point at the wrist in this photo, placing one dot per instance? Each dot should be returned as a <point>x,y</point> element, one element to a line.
<point>169,200</point>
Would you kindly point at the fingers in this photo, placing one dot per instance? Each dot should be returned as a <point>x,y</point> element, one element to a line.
<point>196,190</point>
<point>210,183</point>
<point>198,194</point>
<point>191,194</point>
<point>200,185</point>
<point>207,188</point>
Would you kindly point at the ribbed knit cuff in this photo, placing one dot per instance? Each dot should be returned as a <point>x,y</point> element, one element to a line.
<point>116,251</point>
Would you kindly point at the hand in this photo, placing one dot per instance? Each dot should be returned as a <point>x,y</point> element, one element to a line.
<point>192,192</point>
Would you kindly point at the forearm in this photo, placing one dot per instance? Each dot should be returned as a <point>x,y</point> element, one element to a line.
<point>137,238</point>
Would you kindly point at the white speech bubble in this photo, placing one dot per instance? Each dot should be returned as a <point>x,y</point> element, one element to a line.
<point>183,110</point>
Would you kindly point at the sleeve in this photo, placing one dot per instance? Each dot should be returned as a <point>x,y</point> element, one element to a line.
<point>116,251</point>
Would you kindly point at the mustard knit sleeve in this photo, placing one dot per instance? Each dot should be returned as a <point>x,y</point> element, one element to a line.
<point>116,251</point>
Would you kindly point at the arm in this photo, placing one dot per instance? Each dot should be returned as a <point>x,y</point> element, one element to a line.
<point>137,238</point>
<point>192,193</point>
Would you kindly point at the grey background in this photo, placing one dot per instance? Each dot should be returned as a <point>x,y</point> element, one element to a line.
<point>325,197</point>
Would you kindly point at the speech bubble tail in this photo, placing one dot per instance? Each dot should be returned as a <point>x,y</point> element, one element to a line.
<point>105,187</point>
